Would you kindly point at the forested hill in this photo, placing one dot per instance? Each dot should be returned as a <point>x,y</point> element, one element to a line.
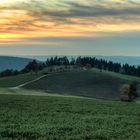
<point>131,60</point>
<point>16,63</point>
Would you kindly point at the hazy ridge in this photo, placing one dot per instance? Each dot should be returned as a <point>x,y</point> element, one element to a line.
<point>15,63</point>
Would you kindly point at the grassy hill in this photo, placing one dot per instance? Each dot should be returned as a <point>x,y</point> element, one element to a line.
<point>61,118</point>
<point>92,83</point>
<point>13,81</point>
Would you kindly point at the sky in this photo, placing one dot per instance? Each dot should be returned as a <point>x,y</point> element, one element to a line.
<point>70,27</point>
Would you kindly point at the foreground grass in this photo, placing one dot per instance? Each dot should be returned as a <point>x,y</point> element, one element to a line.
<point>61,118</point>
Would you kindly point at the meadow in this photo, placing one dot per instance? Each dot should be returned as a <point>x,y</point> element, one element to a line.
<point>31,117</point>
<point>13,81</point>
<point>61,106</point>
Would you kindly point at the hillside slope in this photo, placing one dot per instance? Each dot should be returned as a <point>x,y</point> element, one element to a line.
<point>13,81</point>
<point>91,83</point>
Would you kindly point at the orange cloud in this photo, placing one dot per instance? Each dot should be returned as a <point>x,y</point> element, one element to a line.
<point>25,20</point>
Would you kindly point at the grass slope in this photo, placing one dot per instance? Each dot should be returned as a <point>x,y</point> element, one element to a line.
<point>61,118</point>
<point>13,81</point>
<point>91,83</point>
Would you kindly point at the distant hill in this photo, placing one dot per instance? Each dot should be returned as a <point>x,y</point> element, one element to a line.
<point>131,60</point>
<point>16,63</point>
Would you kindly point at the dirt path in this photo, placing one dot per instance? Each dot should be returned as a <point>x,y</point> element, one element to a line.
<point>26,83</point>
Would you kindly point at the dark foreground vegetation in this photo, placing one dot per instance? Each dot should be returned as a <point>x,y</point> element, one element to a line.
<point>61,118</point>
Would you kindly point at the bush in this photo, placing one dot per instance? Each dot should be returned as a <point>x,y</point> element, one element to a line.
<point>125,93</point>
<point>129,91</point>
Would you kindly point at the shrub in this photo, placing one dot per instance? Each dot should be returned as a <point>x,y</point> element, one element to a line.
<point>129,91</point>
<point>125,93</point>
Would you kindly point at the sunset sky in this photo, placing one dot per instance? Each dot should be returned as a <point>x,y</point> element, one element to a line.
<point>70,27</point>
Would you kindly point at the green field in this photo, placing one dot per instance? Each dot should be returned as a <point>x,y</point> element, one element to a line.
<point>55,107</point>
<point>33,117</point>
<point>92,83</point>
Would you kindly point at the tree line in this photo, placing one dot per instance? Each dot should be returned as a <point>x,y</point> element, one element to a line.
<point>35,66</point>
<point>95,63</point>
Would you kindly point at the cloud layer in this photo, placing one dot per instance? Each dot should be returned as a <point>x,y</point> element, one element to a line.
<point>45,13</point>
<point>25,20</point>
